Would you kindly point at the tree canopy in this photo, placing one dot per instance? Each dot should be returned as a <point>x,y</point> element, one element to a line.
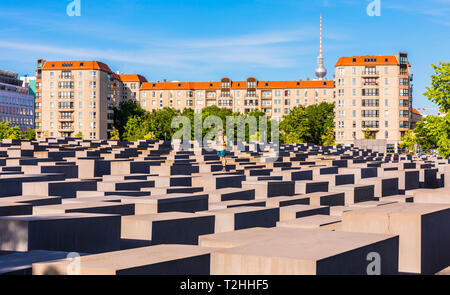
<point>8,132</point>
<point>434,131</point>
<point>313,124</point>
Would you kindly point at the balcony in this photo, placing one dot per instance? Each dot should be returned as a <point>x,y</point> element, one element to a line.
<point>370,124</point>
<point>66,109</point>
<point>65,119</point>
<point>370,73</point>
<point>71,129</point>
<point>371,84</point>
<point>251,102</point>
<point>225,103</point>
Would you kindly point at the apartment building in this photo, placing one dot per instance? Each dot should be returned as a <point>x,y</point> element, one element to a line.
<point>16,101</point>
<point>415,117</point>
<point>374,93</point>
<point>370,92</point>
<point>131,86</point>
<point>74,97</point>
<point>275,98</point>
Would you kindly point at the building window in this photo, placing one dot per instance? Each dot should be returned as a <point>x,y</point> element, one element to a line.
<point>370,113</point>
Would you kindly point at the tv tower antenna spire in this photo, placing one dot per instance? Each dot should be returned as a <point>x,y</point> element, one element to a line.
<point>321,71</point>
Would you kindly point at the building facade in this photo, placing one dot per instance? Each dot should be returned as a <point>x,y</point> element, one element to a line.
<point>274,98</point>
<point>75,97</point>
<point>16,102</point>
<point>373,93</point>
<point>415,117</point>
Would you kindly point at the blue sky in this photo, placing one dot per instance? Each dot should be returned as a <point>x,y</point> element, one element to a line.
<point>199,40</point>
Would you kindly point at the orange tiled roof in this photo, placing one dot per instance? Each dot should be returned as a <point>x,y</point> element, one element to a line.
<point>360,60</point>
<point>236,85</point>
<point>180,85</point>
<point>76,65</point>
<point>132,78</point>
<point>416,112</point>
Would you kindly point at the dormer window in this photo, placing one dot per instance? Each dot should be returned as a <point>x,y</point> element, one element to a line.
<point>370,60</point>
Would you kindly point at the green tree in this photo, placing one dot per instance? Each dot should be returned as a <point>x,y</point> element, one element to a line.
<point>367,134</point>
<point>329,138</point>
<point>295,126</point>
<point>114,134</point>
<point>409,141</point>
<point>149,136</point>
<point>311,124</point>
<point>439,91</point>
<point>30,134</point>
<point>124,112</point>
<point>79,135</point>
<point>136,128</point>
<point>438,128</point>
<point>5,130</point>
<point>161,123</point>
<point>15,133</point>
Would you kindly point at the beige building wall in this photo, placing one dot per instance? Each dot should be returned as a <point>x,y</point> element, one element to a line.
<point>275,98</point>
<point>77,100</point>
<point>369,94</point>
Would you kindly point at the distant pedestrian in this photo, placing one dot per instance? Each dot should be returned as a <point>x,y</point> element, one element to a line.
<point>221,146</point>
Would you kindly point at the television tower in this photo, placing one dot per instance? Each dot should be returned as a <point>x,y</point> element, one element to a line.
<point>321,71</point>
